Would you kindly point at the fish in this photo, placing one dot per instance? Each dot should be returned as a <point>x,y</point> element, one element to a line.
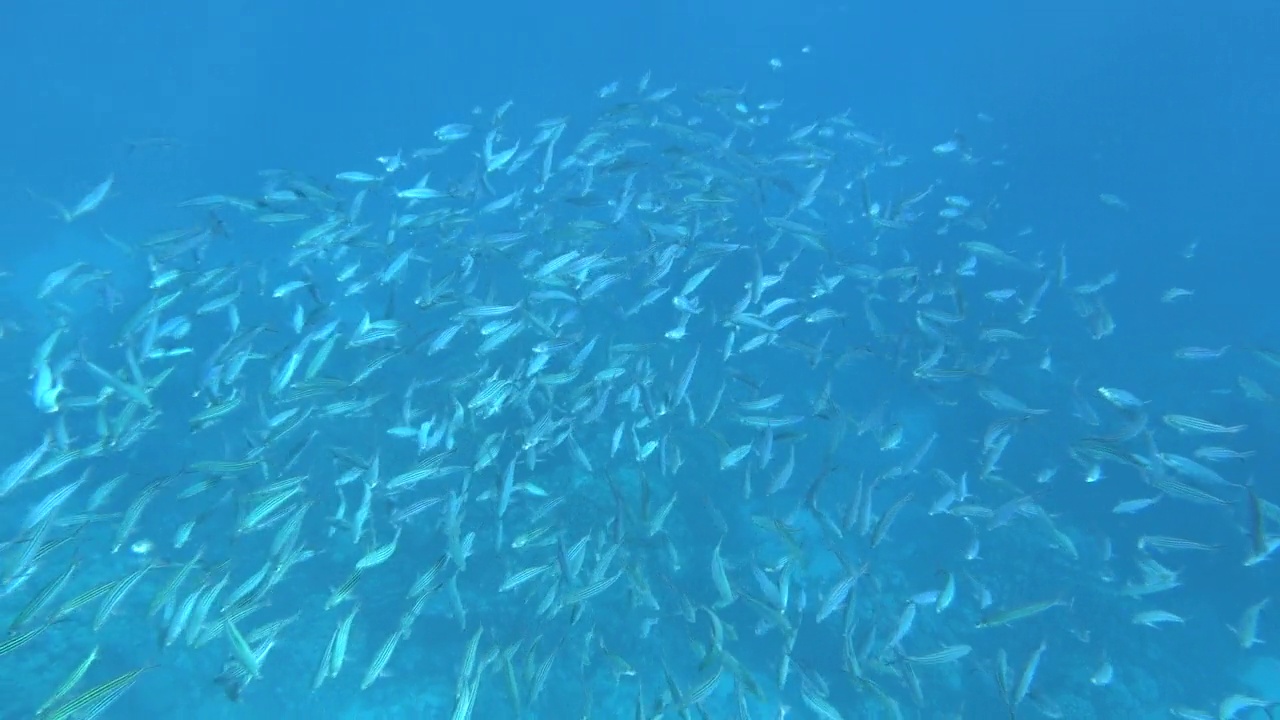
<point>92,201</point>
<point>1246,630</point>
<point>445,417</point>
<point>46,389</point>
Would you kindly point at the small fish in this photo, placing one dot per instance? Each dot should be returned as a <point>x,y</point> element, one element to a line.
<point>1246,630</point>
<point>1189,424</point>
<point>1122,399</point>
<point>92,201</point>
<point>734,456</point>
<point>1194,352</point>
<point>1128,507</point>
<point>357,177</point>
<point>452,132</point>
<point>1114,201</point>
<point>1156,618</point>
<point>46,389</point>
<point>1222,454</point>
<point>1006,617</point>
<point>1103,676</point>
<point>947,654</point>
<point>420,193</point>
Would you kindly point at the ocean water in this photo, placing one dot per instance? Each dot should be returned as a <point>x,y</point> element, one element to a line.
<point>1170,109</point>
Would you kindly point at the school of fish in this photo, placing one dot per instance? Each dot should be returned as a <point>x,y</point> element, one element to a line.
<point>680,411</point>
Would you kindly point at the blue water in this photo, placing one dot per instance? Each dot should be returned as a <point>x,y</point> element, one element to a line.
<point>1172,107</point>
